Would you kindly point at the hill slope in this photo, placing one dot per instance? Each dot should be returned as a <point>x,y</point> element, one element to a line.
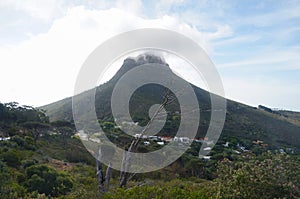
<point>242,121</point>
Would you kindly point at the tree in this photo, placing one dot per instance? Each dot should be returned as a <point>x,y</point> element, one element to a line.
<point>36,129</point>
<point>45,179</point>
<point>12,158</point>
<point>5,178</point>
<point>65,128</point>
<point>167,98</point>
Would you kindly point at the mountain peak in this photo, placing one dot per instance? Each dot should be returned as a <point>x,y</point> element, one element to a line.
<point>145,58</point>
<point>149,58</point>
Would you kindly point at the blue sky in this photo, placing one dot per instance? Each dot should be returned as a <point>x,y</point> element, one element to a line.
<point>255,45</point>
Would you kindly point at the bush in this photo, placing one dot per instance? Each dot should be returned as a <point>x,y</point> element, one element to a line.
<point>12,158</point>
<point>276,176</point>
<point>19,140</point>
<point>175,189</point>
<point>45,179</point>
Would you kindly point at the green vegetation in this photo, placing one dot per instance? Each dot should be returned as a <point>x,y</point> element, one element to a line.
<point>47,180</point>
<point>56,165</point>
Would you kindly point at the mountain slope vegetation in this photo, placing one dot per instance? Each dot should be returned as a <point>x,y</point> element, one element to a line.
<point>242,121</point>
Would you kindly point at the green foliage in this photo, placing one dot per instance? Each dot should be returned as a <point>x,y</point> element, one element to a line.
<point>9,188</point>
<point>44,179</point>
<point>175,189</point>
<point>108,125</point>
<point>86,185</point>
<point>27,170</point>
<point>13,113</point>
<point>276,176</point>
<point>36,129</point>
<point>12,158</point>
<point>4,177</point>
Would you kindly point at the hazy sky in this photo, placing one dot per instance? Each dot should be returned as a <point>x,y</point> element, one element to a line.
<point>255,45</point>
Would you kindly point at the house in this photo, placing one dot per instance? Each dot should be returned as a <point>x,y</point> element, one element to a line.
<point>153,138</point>
<point>82,135</point>
<point>207,149</point>
<point>185,140</point>
<point>146,143</point>
<point>257,142</point>
<point>206,158</point>
<point>208,142</point>
<point>198,140</point>
<point>237,152</point>
<point>139,135</point>
<point>242,147</point>
<point>160,143</point>
<point>4,138</point>
<point>226,144</point>
<point>130,123</point>
<point>166,139</point>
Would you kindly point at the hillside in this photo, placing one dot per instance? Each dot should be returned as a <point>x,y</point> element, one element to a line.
<point>42,159</point>
<point>39,159</point>
<point>242,121</point>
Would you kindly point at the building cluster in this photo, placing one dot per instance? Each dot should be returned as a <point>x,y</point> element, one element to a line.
<point>161,140</point>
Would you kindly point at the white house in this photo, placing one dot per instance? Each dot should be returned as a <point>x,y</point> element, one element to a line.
<point>206,157</point>
<point>226,144</point>
<point>185,140</point>
<point>4,139</point>
<point>207,148</point>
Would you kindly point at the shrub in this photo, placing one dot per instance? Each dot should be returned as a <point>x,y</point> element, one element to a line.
<point>12,158</point>
<point>45,179</point>
<point>275,176</point>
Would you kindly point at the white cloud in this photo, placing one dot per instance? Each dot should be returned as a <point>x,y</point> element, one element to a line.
<point>43,69</point>
<point>275,59</point>
<point>133,6</point>
<point>279,16</point>
<point>163,6</point>
<point>237,39</point>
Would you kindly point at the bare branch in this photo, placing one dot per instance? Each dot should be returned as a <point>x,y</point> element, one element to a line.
<point>101,178</point>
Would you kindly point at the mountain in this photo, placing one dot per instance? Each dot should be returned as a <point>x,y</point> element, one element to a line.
<point>277,129</point>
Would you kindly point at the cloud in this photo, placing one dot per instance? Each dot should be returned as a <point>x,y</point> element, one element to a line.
<point>269,59</point>
<point>59,35</point>
<point>279,16</point>
<point>133,6</point>
<point>43,68</point>
<point>164,6</point>
<point>236,39</point>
